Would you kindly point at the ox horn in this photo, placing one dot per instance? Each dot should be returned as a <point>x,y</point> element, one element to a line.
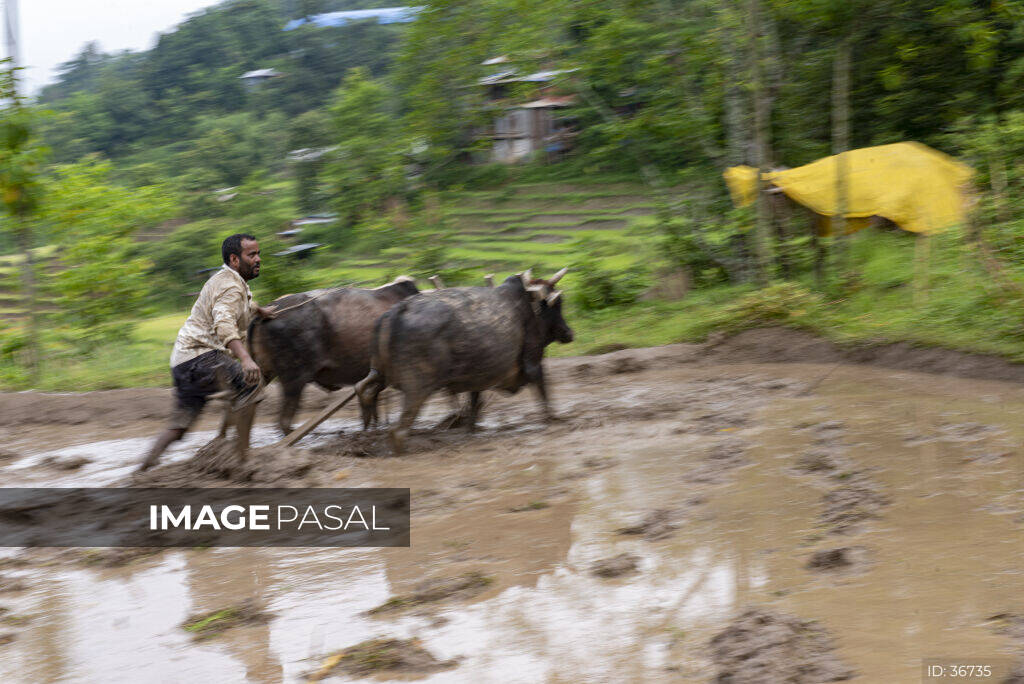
<point>438,283</point>
<point>489,279</point>
<point>526,276</point>
<point>537,291</point>
<point>558,276</point>
<point>553,298</point>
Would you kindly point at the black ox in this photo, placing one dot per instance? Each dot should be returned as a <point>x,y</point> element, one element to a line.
<point>320,336</point>
<point>464,339</point>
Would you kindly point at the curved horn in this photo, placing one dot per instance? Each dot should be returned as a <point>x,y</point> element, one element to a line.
<point>526,276</point>
<point>537,291</point>
<point>553,297</point>
<point>438,283</point>
<point>489,279</point>
<point>558,276</point>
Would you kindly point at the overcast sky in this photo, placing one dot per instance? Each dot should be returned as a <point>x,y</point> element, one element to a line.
<point>53,31</point>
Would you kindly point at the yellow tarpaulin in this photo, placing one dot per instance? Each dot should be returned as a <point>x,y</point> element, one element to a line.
<point>917,188</point>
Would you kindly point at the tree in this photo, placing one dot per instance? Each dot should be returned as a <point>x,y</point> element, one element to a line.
<point>368,170</point>
<point>21,161</point>
<point>102,276</point>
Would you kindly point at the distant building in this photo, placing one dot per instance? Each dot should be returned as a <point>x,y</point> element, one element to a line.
<point>383,15</point>
<point>257,77</point>
<point>526,129</point>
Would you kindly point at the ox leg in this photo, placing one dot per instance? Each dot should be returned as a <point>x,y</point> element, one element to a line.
<point>290,397</point>
<point>367,390</point>
<point>474,411</point>
<point>412,401</point>
<point>243,418</point>
<point>456,416</point>
<point>535,376</point>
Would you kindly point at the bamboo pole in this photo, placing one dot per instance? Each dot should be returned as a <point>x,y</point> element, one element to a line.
<point>841,144</point>
<point>762,158</point>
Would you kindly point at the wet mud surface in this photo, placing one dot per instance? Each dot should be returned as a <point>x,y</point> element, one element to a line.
<point>694,514</point>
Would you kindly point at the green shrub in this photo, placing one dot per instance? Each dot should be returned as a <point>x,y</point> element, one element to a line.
<point>780,304</point>
<point>597,288</point>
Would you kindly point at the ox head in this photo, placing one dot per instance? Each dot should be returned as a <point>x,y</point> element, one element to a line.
<point>547,304</point>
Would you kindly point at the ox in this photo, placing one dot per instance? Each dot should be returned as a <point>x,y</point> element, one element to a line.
<point>464,339</point>
<point>320,336</point>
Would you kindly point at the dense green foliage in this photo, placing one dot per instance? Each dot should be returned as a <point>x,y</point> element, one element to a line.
<point>158,155</point>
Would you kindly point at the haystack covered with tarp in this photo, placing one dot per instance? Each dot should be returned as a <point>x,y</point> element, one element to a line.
<point>919,189</point>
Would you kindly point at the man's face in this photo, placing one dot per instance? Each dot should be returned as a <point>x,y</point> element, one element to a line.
<point>248,265</point>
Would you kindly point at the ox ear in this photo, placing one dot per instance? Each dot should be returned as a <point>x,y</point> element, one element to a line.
<point>526,276</point>
<point>558,276</point>
<point>553,298</point>
<point>489,279</point>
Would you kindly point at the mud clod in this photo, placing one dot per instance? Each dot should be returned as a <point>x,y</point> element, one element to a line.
<point>382,655</point>
<point>625,364</point>
<point>214,623</point>
<point>623,564</point>
<point>73,463</point>
<point>1012,625</point>
<point>842,558</point>
<point>816,463</point>
<point>217,462</point>
<point>718,463</point>
<point>437,589</point>
<point>7,638</point>
<point>849,505</point>
<point>763,646</point>
<point>656,525</point>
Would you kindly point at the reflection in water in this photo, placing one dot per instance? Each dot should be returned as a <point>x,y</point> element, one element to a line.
<point>943,555</point>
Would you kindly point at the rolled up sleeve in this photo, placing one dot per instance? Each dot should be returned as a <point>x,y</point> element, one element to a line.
<point>227,310</point>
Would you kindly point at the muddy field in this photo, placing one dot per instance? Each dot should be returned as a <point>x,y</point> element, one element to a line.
<point>763,508</point>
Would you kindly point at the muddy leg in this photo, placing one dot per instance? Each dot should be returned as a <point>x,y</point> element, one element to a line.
<point>243,418</point>
<point>289,405</point>
<point>535,375</point>
<point>456,416</point>
<point>412,401</point>
<point>367,390</point>
<point>226,421</point>
<point>474,411</point>
<point>160,445</point>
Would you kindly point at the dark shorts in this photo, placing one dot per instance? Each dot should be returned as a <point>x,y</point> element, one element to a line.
<point>198,378</point>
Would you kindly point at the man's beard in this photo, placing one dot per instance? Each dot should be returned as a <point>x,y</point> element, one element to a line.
<point>250,272</point>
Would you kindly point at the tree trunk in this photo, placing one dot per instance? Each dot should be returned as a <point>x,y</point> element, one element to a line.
<point>762,153</point>
<point>737,114</point>
<point>840,144</point>
<point>28,278</point>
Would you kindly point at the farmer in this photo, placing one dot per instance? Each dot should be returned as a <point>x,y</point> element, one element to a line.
<point>200,363</point>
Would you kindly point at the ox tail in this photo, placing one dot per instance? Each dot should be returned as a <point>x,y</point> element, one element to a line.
<point>382,335</point>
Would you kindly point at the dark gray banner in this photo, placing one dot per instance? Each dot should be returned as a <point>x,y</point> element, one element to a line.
<point>166,517</point>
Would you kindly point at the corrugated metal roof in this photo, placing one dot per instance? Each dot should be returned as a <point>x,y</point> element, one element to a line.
<point>261,73</point>
<point>557,101</point>
<point>383,15</point>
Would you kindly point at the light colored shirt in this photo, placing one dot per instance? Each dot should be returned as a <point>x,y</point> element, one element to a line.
<point>221,314</point>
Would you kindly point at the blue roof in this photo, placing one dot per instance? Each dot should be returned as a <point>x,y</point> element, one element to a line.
<point>384,15</point>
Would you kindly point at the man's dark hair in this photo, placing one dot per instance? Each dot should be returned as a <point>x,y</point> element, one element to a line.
<point>233,245</point>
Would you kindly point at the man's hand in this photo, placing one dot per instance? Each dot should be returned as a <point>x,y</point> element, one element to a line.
<point>251,371</point>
